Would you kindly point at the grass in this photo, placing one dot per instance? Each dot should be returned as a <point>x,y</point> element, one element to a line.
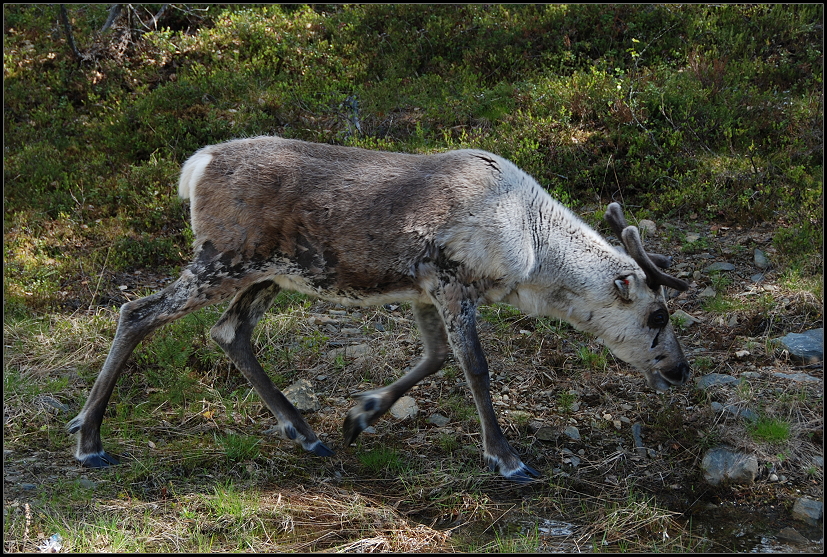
<point>770,430</point>
<point>640,104</point>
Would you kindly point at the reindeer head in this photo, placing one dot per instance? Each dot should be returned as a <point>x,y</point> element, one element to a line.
<point>637,328</point>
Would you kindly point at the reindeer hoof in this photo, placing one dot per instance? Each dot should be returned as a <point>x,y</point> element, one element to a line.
<point>517,472</point>
<point>100,460</point>
<point>320,449</point>
<point>354,425</point>
<point>524,474</point>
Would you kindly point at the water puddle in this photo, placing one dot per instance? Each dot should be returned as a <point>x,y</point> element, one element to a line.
<point>750,531</point>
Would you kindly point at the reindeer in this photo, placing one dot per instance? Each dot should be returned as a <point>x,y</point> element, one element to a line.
<point>446,232</point>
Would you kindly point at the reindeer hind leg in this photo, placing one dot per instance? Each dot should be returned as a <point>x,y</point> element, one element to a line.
<point>137,319</point>
<point>233,333</point>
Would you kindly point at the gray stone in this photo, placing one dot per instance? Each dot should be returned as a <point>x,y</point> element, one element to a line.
<point>797,377</point>
<point>684,318</point>
<point>648,226</point>
<point>638,438</point>
<point>720,266</point>
<point>547,434</point>
<point>404,408</point>
<point>572,433</point>
<point>352,351</point>
<point>438,420</point>
<point>760,259</point>
<point>808,510</point>
<point>51,404</point>
<point>711,379</point>
<point>791,535</point>
<point>807,346</point>
<point>733,409</point>
<point>708,292</point>
<point>301,395</point>
<point>726,465</point>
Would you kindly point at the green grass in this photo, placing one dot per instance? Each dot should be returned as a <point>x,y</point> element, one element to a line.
<point>770,430</point>
<point>688,113</point>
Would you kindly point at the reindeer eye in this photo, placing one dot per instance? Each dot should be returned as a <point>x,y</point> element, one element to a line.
<point>658,319</point>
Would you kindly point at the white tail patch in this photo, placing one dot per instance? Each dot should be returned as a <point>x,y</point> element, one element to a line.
<point>191,174</point>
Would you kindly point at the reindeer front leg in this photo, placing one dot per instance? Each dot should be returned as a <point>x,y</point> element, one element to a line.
<point>457,305</point>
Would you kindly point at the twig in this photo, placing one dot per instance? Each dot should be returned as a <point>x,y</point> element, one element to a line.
<point>67,30</point>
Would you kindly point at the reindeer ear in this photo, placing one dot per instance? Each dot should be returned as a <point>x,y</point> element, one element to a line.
<point>624,286</point>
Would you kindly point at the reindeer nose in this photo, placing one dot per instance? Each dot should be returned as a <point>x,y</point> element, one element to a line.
<point>679,374</point>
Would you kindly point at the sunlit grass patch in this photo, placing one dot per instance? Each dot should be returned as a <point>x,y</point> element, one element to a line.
<point>770,430</point>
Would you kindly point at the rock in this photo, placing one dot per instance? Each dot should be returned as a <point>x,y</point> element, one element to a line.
<point>404,408</point>
<point>797,377</point>
<point>720,266</point>
<point>808,510</point>
<point>684,318</point>
<point>807,346</point>
<point>647,226</point>
<point>733,409</point>
<point>708,292</point>
<point>758,277</point>
<point>792,535</point>
<point>438,420</point>
<point>301,395</point>
<point>692,237</point>
<point>711,379</point>
<point>638,438</point>
<point>760,259</point>
<point>352,351</point>
<point>51,404</point>
<point>547,434</point>
<point>572,433</point>
<point>725,465</point>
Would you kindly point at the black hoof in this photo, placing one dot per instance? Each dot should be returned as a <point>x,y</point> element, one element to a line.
<point>352,428</point>
<point>320,449</point>
<point>101,460</point>
<point>524,475</point>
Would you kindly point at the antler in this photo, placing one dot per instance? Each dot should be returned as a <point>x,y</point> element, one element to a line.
<point>650,263</point>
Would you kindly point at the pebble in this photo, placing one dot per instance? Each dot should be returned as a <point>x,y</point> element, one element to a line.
<point>648,226</point>
<point>404,408</point>
<point>733,409</point>
<point>807,346</point>
<point>712,379</point>
<point>438,420</point>
<point>723,464</point>
<point>720,266</point>
<point>352,351</point>
<point>301,395</point>
<point>808,510</point>
<point>547,433</point>
<point>791,535</point>
<point>572,433</point>
<point>797,377</point>
<point>685,318</point>
<point>760,259</point>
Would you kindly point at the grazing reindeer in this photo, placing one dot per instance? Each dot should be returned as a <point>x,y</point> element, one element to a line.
<point>446,232</point>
